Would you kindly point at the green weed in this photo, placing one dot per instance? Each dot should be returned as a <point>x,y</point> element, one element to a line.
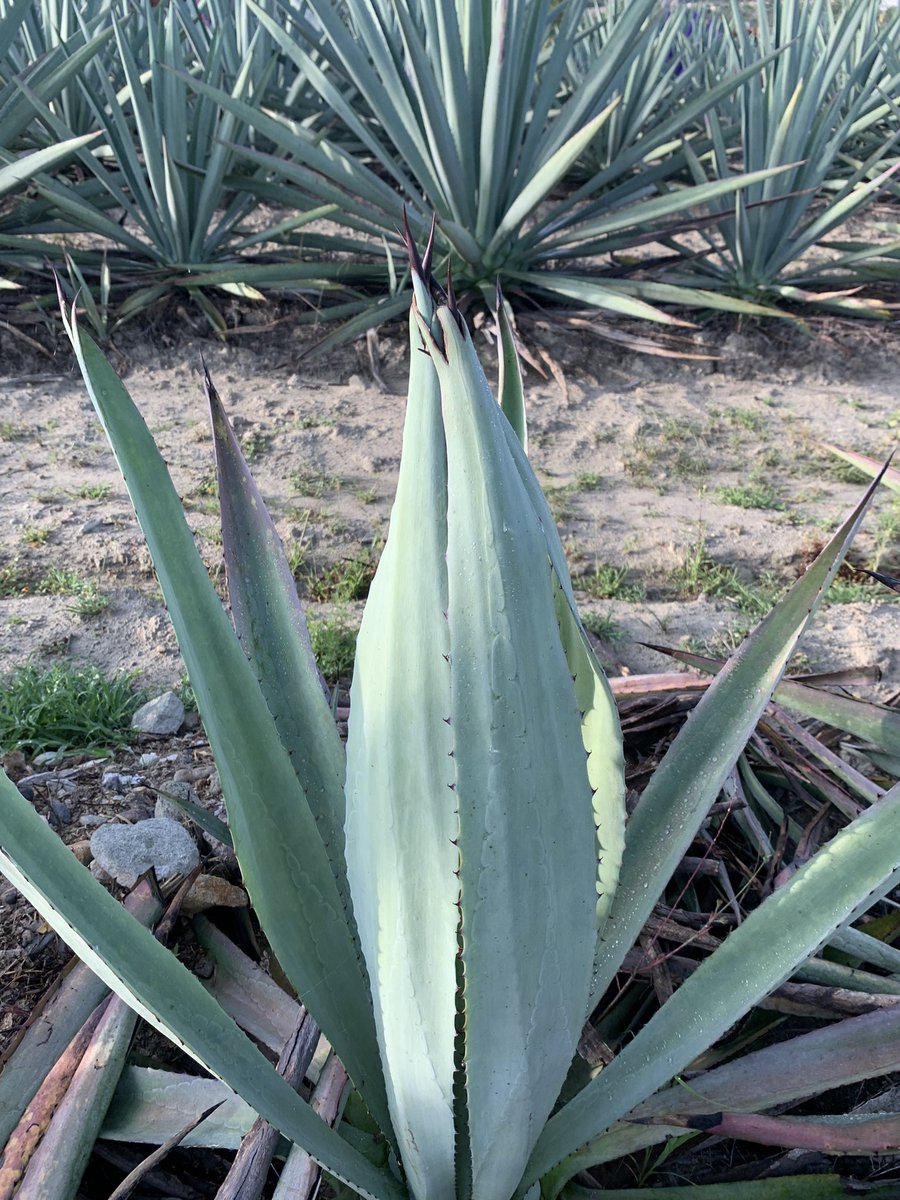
<point>11,432</point>
<point>334,646</point>
<point>602,626</point>
<point>35,535</point>
<point>94,491</point>
<point>607,582</point>
<point>343,581</point>
<point>314,484</point>
<point>88,600</point>
<point>65,705</point>
<point>700,575</point>
<point>750,495</point>
<point>254,444</point>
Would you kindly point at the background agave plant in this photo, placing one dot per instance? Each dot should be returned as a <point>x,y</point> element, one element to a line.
<point>827,82</point>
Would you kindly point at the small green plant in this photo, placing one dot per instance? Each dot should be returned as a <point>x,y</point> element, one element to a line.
<point>343,581</point>
<point>699,574</point>
<point>316,485</point>
<point>88,599</point>
<point>603,626</point>
<point>66,705</point>
<point>746,418</point>
<point>35,535</point>
<point>254,444</point>
<point>608,582</point>
<point>749,495</point>
<point>11,431</point>
<point>94,491</point>
<point>334,645</point>
<point>185,692</point>
<point>89,602</point>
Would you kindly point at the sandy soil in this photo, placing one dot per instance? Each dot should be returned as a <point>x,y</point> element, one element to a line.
<point>635,452</point>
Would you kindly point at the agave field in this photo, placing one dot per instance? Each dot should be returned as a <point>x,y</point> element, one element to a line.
<point>476,413</point>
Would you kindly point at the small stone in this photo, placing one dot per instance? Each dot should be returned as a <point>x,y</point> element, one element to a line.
<point>126,851</point>
<point>209,891</point>
<point>82,851</point>
<point>61,811</point>
<point>48,758</point>
<point>99,874</point>
<point>162,716</point>
<point>147,760</point>
<point>192,774</point>
<point>95,524</point>
<point>115,781</point>
<point>90,820</point>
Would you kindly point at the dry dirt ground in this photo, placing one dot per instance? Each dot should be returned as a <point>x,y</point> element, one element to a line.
<point>687,492</point>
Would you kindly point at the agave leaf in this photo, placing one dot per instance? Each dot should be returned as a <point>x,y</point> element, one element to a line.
<point>250,997</point>
<point>516,751</point>
<point>151,1106</point>
<point>696,765</point>
<point>601,733</point>
<point>58,1019</point>
<point>130,960</point>
<point>869,466</point>
<point>56,1168</point>
<point>510,389</point>
<point>402,824</point>
<point>276,839</point>
<point>26,167</point>
<point>852,1133</point>
<point>546,178</point>
<point>272,628</point>
<point>784,1187</point>
<point>756,957</point>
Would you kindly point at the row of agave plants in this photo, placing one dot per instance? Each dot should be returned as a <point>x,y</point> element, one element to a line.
<point>624,155</point>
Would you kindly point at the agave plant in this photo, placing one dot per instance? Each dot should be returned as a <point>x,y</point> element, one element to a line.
<point>162,191</point>
<point>824,83</point>
<point>452,895</point>
<point>465,109</point>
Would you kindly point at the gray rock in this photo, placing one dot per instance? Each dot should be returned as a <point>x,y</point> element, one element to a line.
<point>89,820</point>
<point>115,781</point>
<point>48,758</point>
<point>162,716</point>
<point>126,851</point>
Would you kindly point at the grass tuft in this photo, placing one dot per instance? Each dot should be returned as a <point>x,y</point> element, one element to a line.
<point>66,705</point>
<point>607,582</point>
<point>750,495</point>
<point>334,646</point>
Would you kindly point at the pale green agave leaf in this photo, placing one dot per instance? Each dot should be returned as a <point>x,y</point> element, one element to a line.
<point>151,1106</point>
<point>272,628</point>
<point>696,765</point>
<point>756,958</point>
<point>509,386</point>
<point>836,1055</point>
<point>13,174</point>
<point>521,792</point>
<point>129,959</point>
<point>402,824</point>
<point>275,835</point>
<point>601,732</point>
